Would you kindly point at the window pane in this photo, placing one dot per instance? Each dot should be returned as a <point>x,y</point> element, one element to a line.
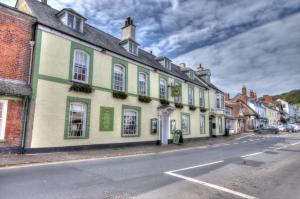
<point>185,126</point>
<point>77,119</point>
<point>78,24</point>
<point>202,124</point>
<point>130,122</point>
<point>80,70</point>
<point>191,96</point>
<point>143,84</point>
<point>119,78</point>
<point>177,98</point>
<point>202,102</point>
<point>70,20</point>
<point>162,89</point>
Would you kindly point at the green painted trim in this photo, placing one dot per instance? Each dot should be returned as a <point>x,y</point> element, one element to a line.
<point>161,76</point>
<point>68,82</point>
<point>2,141</point>
<point>125,65</point>
<point>101,127</point>
<point>192,87</point>
<point>36,65</point>
<point>186,114</point>
<point>137,108</point>
<point>87,129</point>
<point>88,50</point>
<point>147,72</point>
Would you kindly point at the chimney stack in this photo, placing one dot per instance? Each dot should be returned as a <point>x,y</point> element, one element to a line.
<point>267,99</point>
<point>226,96</point>
<point>252,94</point>
<point>128,30</point>
<point>44,1</point>
<point>244,91</point>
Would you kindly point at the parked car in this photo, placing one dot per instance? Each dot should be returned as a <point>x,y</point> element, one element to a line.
<point>296,127</point>
<point>286,128</point>
<point>267,129</point>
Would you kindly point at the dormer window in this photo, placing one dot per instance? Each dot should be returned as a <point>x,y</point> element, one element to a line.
<point>71,19</point>
<point>165,62</point>
<point>130,46</point>
<point>74,22</point>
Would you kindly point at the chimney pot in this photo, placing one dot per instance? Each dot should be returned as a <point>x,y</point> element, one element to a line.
<point>244,91</point>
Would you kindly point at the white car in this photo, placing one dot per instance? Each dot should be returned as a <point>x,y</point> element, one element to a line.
<point>296,127</point>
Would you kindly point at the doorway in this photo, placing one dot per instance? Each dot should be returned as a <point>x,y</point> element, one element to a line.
<point>164,123</point>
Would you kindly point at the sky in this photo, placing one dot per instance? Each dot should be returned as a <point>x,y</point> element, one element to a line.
<point>253,43</point>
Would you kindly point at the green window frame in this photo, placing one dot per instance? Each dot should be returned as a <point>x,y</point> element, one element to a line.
<point>123,63</point>
<point>163,77</point>
<point>76,46</point>
<point>189,126</point>
<point>85,101</point>
<point>147,73</point>
<point>138,120</point>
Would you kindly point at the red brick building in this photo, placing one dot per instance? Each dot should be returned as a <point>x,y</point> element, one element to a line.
<point>16,45</point>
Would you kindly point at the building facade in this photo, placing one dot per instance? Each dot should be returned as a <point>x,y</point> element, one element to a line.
<point>16,46</point>
<point>90,88</point>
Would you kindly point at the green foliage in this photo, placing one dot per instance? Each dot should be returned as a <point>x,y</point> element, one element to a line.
<point>179,105</point>
<point>203,110</point>
<point>192,107</point>
<point>119,94</point>
<point>145,99</point>
<point>292,97</point>
<point>164,102</point>
<point>84,88</point>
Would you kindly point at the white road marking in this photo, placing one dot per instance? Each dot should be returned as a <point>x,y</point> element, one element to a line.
<point>212,186</point>
<point>251,154</point>
<point>236,143</point>
<point>197,166</point>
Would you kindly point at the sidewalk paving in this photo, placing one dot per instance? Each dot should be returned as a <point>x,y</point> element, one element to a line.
<point>19,159</point>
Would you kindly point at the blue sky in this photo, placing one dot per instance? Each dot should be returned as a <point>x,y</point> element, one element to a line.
<point>254,43</point>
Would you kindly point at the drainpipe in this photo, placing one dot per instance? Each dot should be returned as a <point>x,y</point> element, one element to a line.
<point>24,125</point>
<point>31,43</point>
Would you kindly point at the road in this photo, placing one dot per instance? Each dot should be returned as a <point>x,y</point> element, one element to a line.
<point>266,166</point>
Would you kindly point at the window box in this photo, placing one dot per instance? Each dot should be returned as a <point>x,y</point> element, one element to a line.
<point>203,110</point>
<point>84,88</point>
<point>119,94</point>
<point>179,105</point>
<point>145,99</point>
<point>192,107</point>
<point>164,102</point>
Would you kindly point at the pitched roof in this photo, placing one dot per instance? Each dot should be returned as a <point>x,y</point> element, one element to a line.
<point>47,16</point>
<point>238,106</point>
<point>14,88</point>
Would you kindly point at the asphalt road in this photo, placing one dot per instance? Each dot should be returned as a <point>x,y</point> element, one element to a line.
<point>252,167</point>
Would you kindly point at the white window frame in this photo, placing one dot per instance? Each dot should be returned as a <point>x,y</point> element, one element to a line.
<point>74,24</point>
<point>3,118</point>
<point>191,96</point>
<point>161,87</point>
<point>123,86</point>
<point>145,85</point>
<point>84,123</point>
<point>188,122</point>
<point>136,122</point>
<point>202,121</point>
<point>202,98</point>
<point>87,66</point>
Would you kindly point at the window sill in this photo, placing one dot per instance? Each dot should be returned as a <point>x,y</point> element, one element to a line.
<point>130,135</point>
<point>76,138</point>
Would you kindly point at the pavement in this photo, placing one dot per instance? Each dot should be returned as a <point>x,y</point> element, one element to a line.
<point>256,166</point>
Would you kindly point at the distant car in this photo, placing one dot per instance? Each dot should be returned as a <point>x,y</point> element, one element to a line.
<point>267,129</point>
<point>296,127</point>
<point>286,128</point>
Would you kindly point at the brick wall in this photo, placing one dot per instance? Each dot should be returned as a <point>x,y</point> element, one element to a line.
<point>15,34</point>
<point>13,130</point>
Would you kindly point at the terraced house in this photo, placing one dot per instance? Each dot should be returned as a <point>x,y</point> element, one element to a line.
<point>91,89</point>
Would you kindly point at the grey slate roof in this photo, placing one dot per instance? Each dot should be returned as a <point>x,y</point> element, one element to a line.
<point>47,16</point>
<point>14,88</point>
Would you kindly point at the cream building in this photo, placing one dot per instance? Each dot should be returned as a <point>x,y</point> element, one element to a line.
<point>272,115</point>
<point>91,89</point>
